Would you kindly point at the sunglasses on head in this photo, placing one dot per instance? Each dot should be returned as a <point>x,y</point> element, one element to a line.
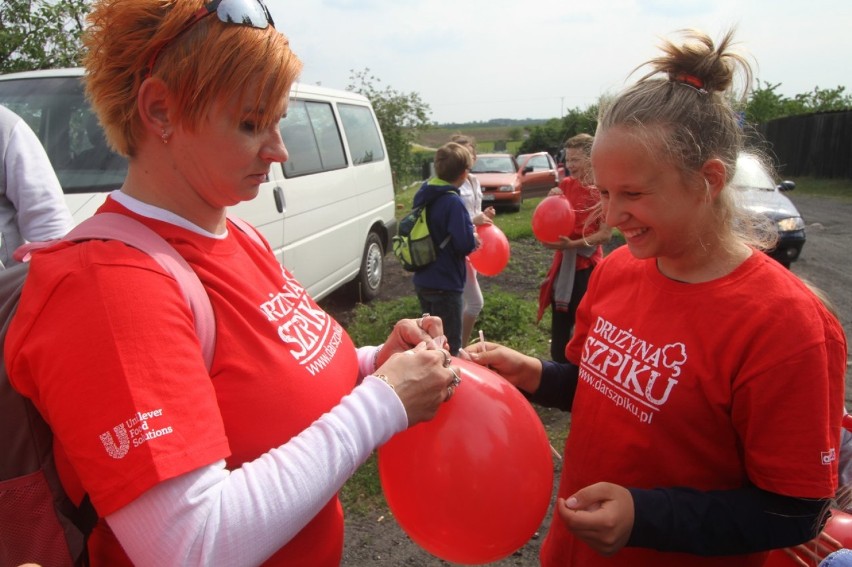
<point>253,13</point>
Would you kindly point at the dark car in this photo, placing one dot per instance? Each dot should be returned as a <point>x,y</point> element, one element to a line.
<point>761,195</point>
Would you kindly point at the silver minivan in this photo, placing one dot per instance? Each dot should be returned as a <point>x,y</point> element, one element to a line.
<point>328,212</point>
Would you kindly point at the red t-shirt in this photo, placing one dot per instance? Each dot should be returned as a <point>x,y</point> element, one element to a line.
<point>708,385</point>
<point>585,200</point>
<point>104,344</point>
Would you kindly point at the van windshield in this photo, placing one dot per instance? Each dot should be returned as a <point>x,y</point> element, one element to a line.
<point>57,111</point>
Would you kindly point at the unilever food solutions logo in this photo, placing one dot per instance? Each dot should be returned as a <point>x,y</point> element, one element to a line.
<point>134,431</point>
<point>632,373</point>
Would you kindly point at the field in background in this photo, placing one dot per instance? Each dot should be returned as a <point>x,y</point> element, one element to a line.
<point>487,137</point>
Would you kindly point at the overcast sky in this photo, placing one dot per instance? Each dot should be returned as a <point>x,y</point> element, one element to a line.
<point>474,60</point>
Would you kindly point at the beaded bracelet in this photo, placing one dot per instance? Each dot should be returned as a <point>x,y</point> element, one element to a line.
<point>384,379</point>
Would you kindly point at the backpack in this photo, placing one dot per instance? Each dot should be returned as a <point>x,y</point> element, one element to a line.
<point>38,522</point>
<point>413,245</point>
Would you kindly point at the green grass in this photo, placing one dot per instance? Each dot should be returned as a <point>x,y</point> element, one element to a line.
<point>834,188</point>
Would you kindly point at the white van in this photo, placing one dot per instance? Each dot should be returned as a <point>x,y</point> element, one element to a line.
<point>328,212</point>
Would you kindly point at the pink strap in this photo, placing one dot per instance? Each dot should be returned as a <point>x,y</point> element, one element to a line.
<point>115,226</point>
<point>250,231</point>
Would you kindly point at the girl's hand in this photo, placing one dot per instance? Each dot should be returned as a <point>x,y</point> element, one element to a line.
<point>483,218</point>
<point>601,515</point>
<point>522,371</point>
<point>564,243</point>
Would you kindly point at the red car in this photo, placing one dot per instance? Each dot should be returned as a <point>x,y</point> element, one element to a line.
<point>539,173</point>
<point>505,184</point>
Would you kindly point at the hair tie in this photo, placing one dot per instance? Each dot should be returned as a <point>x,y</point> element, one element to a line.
<point>689,80</point>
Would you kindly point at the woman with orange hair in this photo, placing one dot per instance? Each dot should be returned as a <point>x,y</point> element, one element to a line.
<point>238,463</point>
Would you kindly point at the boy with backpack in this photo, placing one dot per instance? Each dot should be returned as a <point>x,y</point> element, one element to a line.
<point>440,285</point>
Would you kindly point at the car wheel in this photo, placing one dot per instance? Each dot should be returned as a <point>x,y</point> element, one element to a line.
<point>369,280</point>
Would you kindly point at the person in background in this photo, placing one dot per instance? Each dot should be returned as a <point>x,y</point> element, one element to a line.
<point>32,207</point>
<point>686,444</point>
<point>440,285</point>
<point>471,194</point>
<point>578,252</point>
<point>239,463</point>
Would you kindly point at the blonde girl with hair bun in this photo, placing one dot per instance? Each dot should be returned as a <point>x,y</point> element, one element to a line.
<point>703,432</point>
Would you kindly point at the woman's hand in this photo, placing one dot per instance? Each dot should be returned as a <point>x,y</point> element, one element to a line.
<point>601,515</point>
<point>422,378</point>
<point>408,333</point>
<point>522,371</point>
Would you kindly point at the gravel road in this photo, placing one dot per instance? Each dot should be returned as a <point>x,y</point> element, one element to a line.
<point>826,259</point>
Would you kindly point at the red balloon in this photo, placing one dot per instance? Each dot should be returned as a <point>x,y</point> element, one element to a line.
<point>472,485</point>
<point>838,526</point>
<point>493,252</point>
<point>553,217</point>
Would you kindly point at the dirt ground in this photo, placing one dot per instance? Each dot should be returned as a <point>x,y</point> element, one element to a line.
<point>825,262</point>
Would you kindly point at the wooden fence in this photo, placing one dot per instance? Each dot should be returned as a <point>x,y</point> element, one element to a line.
<point>811,145</point>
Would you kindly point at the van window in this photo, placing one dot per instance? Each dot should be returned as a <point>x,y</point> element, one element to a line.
<point>312,138</point>
<point>57,111</point>
<point>362,133</point>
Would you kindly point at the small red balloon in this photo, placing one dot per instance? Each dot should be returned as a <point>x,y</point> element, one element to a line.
<point>553,217</point>
<point>493,252</point>
<point>472,485</point>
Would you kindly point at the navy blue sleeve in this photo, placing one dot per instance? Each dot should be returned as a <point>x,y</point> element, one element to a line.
<point>557,387</point>
<point>678,519</point>
<point>726,522</point>
<point>460,226</point>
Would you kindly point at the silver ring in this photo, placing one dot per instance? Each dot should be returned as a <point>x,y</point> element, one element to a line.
<point>447,358</point>
<point>420,321</point>
<point>456,378</point>
<point>450,391</point>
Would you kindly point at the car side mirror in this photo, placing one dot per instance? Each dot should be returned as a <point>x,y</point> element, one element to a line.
<point>786,185</point>
<point>527,169</point>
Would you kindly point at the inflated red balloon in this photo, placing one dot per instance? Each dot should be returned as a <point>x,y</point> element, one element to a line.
<point>493,252</point>
<point>553,217</point>
<point>838,527</point>
<point>472,485</point>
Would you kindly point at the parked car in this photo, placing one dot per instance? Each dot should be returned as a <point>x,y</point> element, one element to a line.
<point>498,177</point>
<point>539,173</point>
<point>761,195</point>
<point>328,212</point>
<point>505,185</point>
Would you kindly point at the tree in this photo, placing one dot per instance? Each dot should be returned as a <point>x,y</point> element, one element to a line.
<point>765,104</point>
<point>402,116</point>
<point>40,34</point>
<point>551,136</point>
